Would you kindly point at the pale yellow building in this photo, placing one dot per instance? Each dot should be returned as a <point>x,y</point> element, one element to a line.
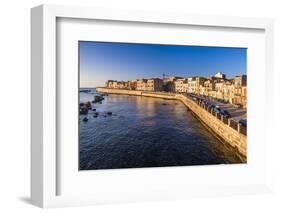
<point>141,84</point>
<point>181,85</point>
<point>154,84</point>
<point>117,84</point>
<point>194,84</point>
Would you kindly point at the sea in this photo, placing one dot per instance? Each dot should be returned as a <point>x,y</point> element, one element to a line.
<point>145,132</point>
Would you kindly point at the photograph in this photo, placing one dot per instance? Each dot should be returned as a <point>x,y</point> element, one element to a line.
<point>137,105</point>
<point>145,105</point>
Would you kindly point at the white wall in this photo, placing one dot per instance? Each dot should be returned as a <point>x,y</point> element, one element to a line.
<point>15,98</point>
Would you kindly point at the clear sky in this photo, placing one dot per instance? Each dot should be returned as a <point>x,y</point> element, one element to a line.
<point>101,61</point>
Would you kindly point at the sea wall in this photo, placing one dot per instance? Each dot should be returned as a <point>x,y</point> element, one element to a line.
<point>218,125</point>
<point>118,91</point>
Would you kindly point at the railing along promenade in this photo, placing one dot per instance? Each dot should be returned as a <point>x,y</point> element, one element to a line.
<point>228,130</point>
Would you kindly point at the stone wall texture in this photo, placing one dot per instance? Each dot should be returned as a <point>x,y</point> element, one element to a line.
<point>212,122</point>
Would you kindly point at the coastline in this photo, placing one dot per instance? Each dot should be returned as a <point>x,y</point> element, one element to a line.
<point>216,126</point>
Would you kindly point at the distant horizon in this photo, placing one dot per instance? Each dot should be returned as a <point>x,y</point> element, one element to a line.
<point>102,61</point>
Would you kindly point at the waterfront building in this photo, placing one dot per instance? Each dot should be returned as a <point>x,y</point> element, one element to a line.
<point>117,84</point>
<point>169,86</point>
<point>230,90</point>
<point>132,85</point>
<point>240,96</point>
<point>122,85</point>
<point>219,89</point>
<point>240,90</point>
<point>202,90</point>
<point>109,83</point>
<point>154,84</point>
<point>208,87</point>
<point>181,85</point>
<point>141,84</point>
<point>199,81</point>
<point>169,83</point>
<point>191,82</point>
<point>194,84</point>
<point>244,96</point>
<point>240,81</point>
<point>224,90</point>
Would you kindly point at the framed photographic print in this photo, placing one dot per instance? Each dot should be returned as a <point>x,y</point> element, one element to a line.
<point>130,106</point>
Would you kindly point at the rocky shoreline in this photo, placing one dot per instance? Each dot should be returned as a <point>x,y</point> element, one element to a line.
<point>85,107</point>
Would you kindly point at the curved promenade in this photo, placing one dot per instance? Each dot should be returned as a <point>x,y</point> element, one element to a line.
<point>221,127</point>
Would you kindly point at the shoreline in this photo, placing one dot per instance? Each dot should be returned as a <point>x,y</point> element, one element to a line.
<point>224,132</point>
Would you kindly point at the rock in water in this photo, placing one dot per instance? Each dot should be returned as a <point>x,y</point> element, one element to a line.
<point>85,119</point>
<point>88,105</point>
<point>98,98</point>
<point>83,110</point>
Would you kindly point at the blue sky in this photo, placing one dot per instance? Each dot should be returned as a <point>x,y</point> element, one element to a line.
<point>100,61</point>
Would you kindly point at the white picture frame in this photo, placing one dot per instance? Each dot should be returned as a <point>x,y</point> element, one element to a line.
<point>44,154</point>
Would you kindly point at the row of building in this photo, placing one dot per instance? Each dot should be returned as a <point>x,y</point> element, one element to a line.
<point>218,86</point>
<point>154,84</point>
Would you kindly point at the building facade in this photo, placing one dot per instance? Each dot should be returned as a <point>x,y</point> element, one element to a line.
<point>141,84</point>
<point>117,84</point>
<point>230,90</point>
<point>181,85</point>
<point>154,84</point>
<point>132,85</point>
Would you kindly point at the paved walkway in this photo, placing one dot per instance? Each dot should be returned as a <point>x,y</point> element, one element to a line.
<point>235,112</point>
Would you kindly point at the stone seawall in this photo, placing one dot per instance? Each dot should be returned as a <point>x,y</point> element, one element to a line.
<point>222,130</point>
<point>212,122</point>
<point>118,91</point>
